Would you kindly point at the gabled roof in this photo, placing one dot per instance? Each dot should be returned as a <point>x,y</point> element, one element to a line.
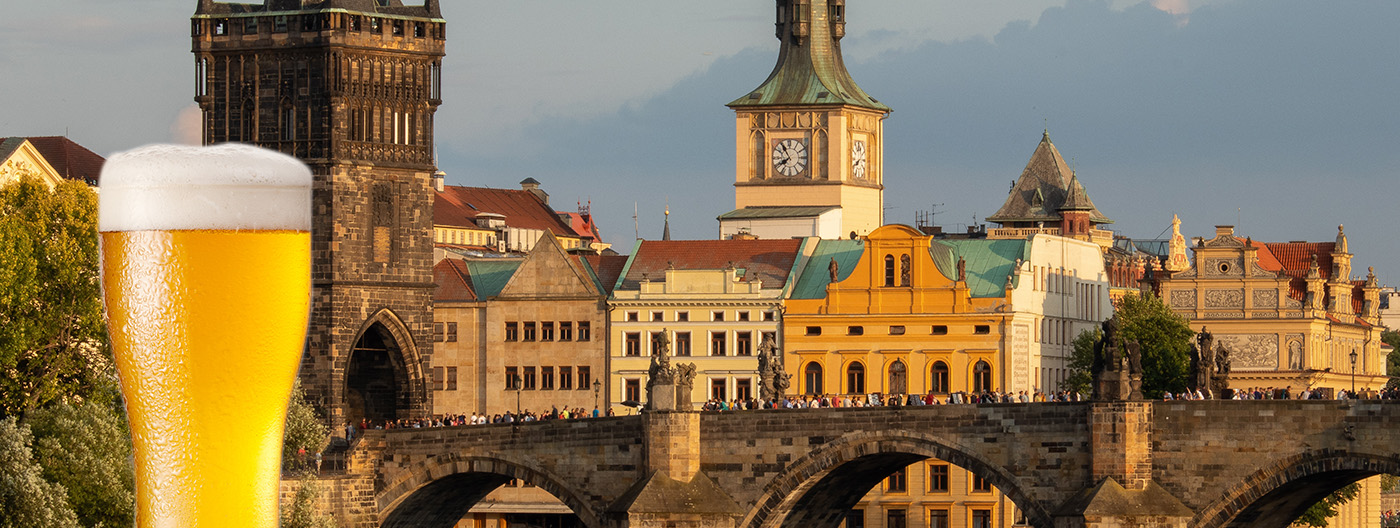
<point>71,160</point>
<point>607,268</point>
<point>770,261</point>
<point>816,275</point>
<point>460,206</point>
<point>1045,187</point>
<point>810,70</point>
<point>489,276</point>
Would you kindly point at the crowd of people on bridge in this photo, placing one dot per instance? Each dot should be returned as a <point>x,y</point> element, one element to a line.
<point>1272,393</point>
<point>455,420</point>
<point>1390,519</point>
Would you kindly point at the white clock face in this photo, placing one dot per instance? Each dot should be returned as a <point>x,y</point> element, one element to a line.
<point>858,160</point>
<point>789,157</point>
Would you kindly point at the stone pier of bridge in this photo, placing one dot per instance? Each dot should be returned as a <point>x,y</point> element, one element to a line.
<point>1206,464</point>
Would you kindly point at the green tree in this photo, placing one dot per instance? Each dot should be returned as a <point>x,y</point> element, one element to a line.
<point>1166,344</point>
<point>1081,363</point>
<point>26,499</point>
<point>304,429</point>
<point>86,448</point>
<point>1392,362</point>
<point>53,344</point>
<point>1317,515</point>
<point>301,513</point>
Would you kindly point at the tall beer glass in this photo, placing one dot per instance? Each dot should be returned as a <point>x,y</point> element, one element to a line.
<point>206,277</point>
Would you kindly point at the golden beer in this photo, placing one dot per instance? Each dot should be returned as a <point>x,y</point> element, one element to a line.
<point>207,326</point>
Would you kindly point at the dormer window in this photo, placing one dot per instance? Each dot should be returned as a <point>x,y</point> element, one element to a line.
<point>1038,199</point>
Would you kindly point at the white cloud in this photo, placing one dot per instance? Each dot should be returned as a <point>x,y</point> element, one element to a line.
<point>186,128</point>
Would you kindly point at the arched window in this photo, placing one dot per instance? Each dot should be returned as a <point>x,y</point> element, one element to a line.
<point>899,378</point>
<point>904,270</point>
<point>981,377</point>
<point>938,377</point>
<point>812,376</point>
<point>855,378</point>
<point>889,270</point>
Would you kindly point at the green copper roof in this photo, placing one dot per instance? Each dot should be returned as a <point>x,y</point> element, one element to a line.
<point>989,262</point>
<point>489,277</point>
<point>810,70</point>
<point>816,275</point>
<point>777,212</point>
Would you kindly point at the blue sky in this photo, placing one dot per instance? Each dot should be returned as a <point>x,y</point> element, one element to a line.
<point>1279,116</point>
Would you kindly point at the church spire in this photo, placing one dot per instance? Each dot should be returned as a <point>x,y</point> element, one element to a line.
<point>666,228</point>
<point>810,69</point>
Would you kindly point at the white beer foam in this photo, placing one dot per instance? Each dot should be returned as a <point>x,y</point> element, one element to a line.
<point>230,186</point>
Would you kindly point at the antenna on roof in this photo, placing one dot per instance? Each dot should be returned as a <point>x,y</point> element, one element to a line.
<point>636,228</point>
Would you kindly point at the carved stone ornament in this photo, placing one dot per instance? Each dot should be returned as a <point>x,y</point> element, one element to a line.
<point>1223,267</point>
<point>1184,298</point>
<point>1224,299</point>
<point>1252,351</point>
<point>1265,298</point>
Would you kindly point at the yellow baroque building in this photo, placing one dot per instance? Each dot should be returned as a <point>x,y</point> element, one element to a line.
<point>899,312</point>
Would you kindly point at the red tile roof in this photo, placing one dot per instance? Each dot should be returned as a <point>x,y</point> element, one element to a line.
<point>71,160</point>
<point>608,268</point>
<point>767,260</point>
<point>1296,257</point>
<point>459,206</point>
<point>453,281</point>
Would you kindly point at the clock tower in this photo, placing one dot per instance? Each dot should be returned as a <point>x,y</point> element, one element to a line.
<point>808,141</point>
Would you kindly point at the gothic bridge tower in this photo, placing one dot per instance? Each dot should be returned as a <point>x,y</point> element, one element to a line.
<point>349,87</point>
<point>808,141</point>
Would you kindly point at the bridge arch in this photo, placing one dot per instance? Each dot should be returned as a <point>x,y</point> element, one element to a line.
<point>1277,494</point>
<point>383,376</point>
<point>439,491</point>
<point>816,490</point>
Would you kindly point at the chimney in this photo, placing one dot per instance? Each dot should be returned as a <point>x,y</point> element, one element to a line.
<point>439,180</point>
<point>533,185</point>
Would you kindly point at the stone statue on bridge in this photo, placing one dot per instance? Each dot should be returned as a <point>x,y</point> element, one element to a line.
<point>773,381</point>
<point>661,377</point>
<point>1220,378</point>
<point>685,381</point>
<point>1203,360</point>
<point>1117,367</point>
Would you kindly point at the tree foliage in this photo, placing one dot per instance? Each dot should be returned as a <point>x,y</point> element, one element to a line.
<point>1392,362</point>
<point>1166,343</point>
<point>1317,515</point>
<point>26,499</point>
<point>1081,363</point>
<point>304,429</point>
<point>301,513</point>
<point>53,344</point>
<point>86,448</point>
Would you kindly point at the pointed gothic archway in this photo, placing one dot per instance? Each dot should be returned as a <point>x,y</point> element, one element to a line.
<point>383,374</point>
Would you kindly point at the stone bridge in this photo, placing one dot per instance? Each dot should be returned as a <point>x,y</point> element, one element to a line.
<point>1188,464</point>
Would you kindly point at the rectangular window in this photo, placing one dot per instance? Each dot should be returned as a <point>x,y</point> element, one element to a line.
<point>512,331</point>
<point>682,316</point>
<point>528,333</point>
<point>452,378</point>
<point>376,25</point>
<point>632,317</point>
<point>308,23</point>
<point>982,329</point>
<point>855,330</point>
<point>437,332</point>
<point>527,381</point>
<point>398,28</point>
<point>437,378</point>
<point>897,330</point>
<point>855,518</point>
<point>512,378</point>
<point>717,316</point>
<point>768,316</point>
<point>981,518</point>
<point>566,331</point>
<point>658,316</point>
<point>743,388</point>
<point>940,329</point>
<point>354,23</point>
<point>632,390</point>
<point>250,26</point>
<point>583,333</point>
<point>938,519</point>
<point>418,30</point>
<point>682,343</point>
<point>632,344</point>
<point>717,344</point>
<point>547,378</point>
<point>814,330</point>
<point>717,389</point>
<point>980,485</point>
<point>898,482</point>
<point>656,343</point>
<point>895,518</point>
<point>566,378</point>
<point>743,316</point>
<point>279,24</point>
<point>547,331</point>
<point>743,343</point>
<point>938,478</point>
<point>451,332</point>
<point>584,377</point>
